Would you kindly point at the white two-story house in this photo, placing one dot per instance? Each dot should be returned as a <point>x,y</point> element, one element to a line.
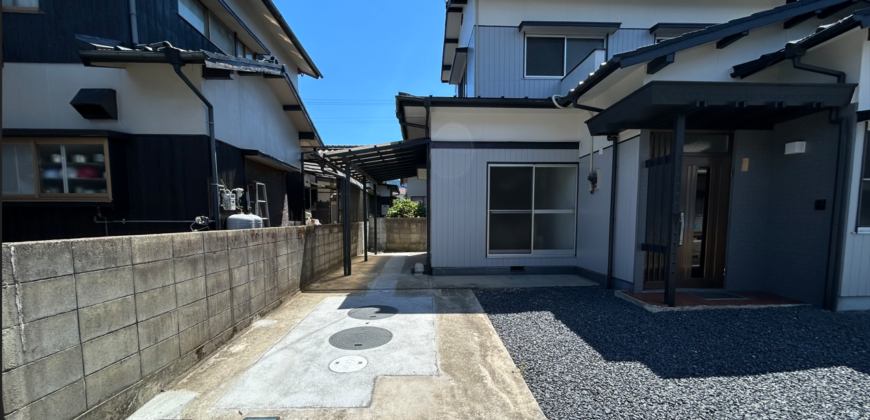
<point>654,145</point>
<point>127,117</point>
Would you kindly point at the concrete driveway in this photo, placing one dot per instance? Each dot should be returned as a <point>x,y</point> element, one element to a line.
<point>395,347</point>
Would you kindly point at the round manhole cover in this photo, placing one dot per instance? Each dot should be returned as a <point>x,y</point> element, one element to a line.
<point>372,312</point>
<point>360,338</point>
<point>348,364</point>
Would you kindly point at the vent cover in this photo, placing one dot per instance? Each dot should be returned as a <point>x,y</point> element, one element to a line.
<point>96,104</point>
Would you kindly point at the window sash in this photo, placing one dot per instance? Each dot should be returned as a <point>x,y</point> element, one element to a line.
<point>532,213</point>
<point>566,68</point>
<point>62,179</point>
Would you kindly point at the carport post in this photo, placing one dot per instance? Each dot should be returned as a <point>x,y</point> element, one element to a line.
<point>365,220</point>
<point>429,206</point>
<point>346,217</point>
<point>377,196</point>
<point>676,225</point>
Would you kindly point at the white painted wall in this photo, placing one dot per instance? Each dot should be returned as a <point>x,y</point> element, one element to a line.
<point>152,99</point>
<point>855,286</point>
<point>505,124</point>
<point>416,188</point>
<point>632,13</point>
<point>248,115</point>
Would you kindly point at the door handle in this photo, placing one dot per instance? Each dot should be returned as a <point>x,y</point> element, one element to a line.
<point>682,227</point>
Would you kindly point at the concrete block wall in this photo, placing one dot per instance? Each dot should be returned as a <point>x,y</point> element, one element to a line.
<point>404,235</point>
<point>93,328</point>
<point>381,235</point>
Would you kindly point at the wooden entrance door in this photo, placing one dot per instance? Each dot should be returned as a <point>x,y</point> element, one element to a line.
<point>704,220</point>
<point>704,203</point>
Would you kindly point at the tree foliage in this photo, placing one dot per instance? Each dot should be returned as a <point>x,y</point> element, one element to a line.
<point>405,208</point>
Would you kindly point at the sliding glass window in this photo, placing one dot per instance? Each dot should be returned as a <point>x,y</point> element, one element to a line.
<point>531,209</point>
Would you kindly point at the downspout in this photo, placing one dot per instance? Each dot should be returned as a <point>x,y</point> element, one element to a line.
<point>134,23</point>
<point>613,175</point>
<point>796,53</point>
<point>173,56</point>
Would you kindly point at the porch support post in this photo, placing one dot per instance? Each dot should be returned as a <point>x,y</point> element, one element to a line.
<point>675,225</point>
<point>365,221</point>
<point>429,208</point>
<point>345,217</point>
<point>377,210</point>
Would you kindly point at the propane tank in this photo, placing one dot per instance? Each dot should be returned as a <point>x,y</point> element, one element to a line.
<point>258,221</point>
<point>240,221</point>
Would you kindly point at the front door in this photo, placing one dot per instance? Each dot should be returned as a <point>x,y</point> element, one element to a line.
<point>704,220</point>
<point>704,203</point>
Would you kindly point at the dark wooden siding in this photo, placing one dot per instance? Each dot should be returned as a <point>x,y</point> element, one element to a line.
<point>49,37</point>
<point>153,178</point>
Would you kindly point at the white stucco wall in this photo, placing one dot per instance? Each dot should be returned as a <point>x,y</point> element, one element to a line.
<point>248,115</point>
<point>152,99</point>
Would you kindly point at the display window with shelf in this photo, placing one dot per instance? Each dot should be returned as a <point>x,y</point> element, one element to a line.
<point>56,170</point>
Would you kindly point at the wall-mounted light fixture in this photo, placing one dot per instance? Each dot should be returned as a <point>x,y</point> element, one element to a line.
<point>795,147</point>
<point>421,173</point>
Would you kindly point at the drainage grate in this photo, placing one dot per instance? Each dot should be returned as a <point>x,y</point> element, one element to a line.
<point>718,296</point>
<point>348,364</point>
<point>360,338</point>
<point>372,312</point>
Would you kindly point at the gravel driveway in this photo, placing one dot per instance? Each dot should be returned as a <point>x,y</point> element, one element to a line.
<point>587,354</point>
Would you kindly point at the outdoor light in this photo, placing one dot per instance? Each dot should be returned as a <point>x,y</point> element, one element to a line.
<point>795,147</point>
<point>421,173</point>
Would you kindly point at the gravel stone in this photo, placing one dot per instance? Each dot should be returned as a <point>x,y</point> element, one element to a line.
<point>587,354</point>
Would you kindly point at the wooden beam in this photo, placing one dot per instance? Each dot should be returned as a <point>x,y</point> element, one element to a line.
<point>730,39</point>
<point>659,63</point>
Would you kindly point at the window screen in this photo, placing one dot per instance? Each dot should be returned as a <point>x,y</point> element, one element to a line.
<point>545,56</point>
<point>532,209</point>
<point>578,49</point>
<point>864,199</point>
<point>194,13</point>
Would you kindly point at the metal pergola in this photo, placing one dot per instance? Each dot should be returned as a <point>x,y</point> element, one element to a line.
<point>373,164</point>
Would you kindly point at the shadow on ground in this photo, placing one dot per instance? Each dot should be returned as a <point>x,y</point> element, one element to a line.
<point>722,342</point>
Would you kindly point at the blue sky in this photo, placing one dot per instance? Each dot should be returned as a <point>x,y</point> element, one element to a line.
<point>367,52</point>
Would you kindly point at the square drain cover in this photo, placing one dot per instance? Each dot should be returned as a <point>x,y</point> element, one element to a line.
<point>718,296</point>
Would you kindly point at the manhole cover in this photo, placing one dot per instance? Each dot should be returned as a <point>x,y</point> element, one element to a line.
<point>348,364</point>
<point>360,338</point>
<point>372,312</point>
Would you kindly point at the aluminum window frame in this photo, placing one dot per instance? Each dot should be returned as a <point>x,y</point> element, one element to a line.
<point>865,166</point>
<point>38,195</point>
<point>207,26</point>
<point>565,69</point>
<point>533,253</point>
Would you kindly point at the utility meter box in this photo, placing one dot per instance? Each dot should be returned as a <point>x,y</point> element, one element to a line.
<point>384,209</point>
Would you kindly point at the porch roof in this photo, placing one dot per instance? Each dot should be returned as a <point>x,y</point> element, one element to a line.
<point>718,105</point>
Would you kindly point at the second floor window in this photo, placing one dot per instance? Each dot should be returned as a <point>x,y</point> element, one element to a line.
<point>557,56</point>
<point>201,19</point>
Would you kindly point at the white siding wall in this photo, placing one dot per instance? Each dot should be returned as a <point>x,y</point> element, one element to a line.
<point>458,202</point>
<point>626,241</point>
<point>627,40</point>
<point>632,13</point>
<point>856,264</point>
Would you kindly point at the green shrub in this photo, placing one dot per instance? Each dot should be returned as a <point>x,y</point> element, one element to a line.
<point>421,210</point>
<point>405,208</point>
